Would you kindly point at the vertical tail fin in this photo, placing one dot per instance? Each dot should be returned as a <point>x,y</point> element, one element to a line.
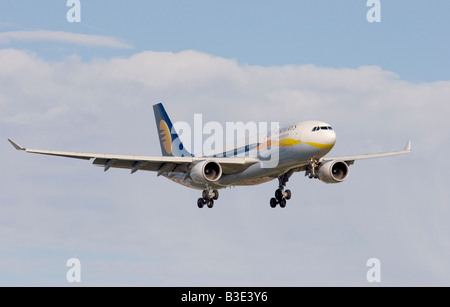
<point>169,140</point>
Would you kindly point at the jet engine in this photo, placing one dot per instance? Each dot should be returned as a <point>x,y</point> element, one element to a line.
<point>206,171</point>
<point>333,171</point>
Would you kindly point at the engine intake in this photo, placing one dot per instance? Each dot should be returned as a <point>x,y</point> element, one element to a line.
<point>206,171</point>
<point>333,171</point>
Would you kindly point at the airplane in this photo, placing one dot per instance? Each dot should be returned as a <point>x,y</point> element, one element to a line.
<point>301,147</point>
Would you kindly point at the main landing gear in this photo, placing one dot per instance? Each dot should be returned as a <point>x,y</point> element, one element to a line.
<point>208,198</point>
<point>281,196</point>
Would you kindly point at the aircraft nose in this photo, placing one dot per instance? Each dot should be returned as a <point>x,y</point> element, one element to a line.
<point>331,137</point>
<point>322,135</point>
<point>328,138</point>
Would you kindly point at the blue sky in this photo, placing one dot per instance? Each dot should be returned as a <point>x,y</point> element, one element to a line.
<point>90,87</point>
<point>326,33</point>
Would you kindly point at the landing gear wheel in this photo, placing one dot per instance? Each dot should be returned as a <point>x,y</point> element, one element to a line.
<point>205,194</point>
<point>279,195</point>
<point>273,202</point>
<point>215,195</point>
<point>288,194</point>
<point>200,203</point>
<point>208,198</point>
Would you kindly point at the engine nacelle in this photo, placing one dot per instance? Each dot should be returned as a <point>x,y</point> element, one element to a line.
<point>333,171</point>
<point>205,172</point>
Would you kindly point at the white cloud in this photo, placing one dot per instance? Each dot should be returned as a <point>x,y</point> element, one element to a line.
<point>145,230</point>
<point>62,37</point>
<point>365,100</point>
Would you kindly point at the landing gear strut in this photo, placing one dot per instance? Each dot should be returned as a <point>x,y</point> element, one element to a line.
<point>281,196</point>
<point>311,170</point>
<point>208,198</point>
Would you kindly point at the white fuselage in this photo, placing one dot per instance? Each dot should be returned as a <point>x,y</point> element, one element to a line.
<point>296,145</point>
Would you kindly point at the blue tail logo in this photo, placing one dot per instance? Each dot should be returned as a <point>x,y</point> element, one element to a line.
<point>169,140</point>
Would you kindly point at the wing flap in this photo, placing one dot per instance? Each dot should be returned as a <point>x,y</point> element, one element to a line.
<point>171,164</point>
<point>134,165</point>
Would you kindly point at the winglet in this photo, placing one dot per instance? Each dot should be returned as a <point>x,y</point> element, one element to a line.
<point>16,146</point>
<point>408,146</point>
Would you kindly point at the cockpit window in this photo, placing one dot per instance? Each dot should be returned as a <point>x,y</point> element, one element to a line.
<point>322,128</point>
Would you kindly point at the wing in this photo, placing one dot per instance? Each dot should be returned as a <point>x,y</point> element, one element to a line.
<point>351,159</point>
<point>147,163</point>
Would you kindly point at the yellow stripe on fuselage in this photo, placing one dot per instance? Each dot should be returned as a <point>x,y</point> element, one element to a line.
<point>290,142</point>
<point>321,146</point>
<point>280,143</point>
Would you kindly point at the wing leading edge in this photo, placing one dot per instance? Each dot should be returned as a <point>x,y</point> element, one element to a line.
<point>148,163</point>
<point>351,159</point>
